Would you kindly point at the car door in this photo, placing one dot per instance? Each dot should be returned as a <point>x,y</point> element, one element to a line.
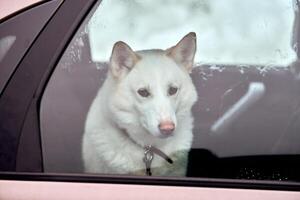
<point>245,141</point>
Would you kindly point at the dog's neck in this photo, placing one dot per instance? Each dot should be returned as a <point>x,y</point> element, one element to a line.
<point>124,131</point>
<point>149,152</point>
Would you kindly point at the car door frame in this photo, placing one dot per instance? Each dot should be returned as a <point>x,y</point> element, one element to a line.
<point>20,102</point>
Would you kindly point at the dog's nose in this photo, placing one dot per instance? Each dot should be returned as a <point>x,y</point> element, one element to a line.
<point>166,127</point>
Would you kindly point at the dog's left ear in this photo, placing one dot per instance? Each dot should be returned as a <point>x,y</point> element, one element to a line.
<point>184,51</point>
<point>122,59</point>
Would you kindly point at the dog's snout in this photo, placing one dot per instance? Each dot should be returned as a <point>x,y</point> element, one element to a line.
<point>166,127</point>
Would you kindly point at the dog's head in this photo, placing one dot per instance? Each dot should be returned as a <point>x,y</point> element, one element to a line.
<point>153,91</point>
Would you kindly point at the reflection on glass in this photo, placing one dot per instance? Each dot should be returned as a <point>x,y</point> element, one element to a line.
<point>246,75</point>
<point>5,44</point>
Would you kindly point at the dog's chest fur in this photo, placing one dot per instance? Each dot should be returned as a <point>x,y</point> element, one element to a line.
<point>109,150</point>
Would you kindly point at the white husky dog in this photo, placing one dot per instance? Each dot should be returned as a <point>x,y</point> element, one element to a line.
<point>140,121</point>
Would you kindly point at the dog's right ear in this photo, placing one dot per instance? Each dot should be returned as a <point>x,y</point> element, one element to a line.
<point>184,51</point>
<point>122,59</point>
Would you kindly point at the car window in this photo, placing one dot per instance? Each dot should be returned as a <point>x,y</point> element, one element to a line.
<point>195,88</point>
<point>16,37</point>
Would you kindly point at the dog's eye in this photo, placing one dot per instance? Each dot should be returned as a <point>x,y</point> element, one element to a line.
<point>144,92</point>
<point>172,90</point>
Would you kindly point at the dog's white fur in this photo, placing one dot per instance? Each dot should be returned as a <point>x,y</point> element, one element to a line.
<point>121,121</point>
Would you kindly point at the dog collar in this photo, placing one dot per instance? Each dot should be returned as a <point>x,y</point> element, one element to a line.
<point>149,155</point>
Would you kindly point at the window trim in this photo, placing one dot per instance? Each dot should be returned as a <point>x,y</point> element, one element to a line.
<point>14,55</point>
<point>27,84</point>
<point>157,181</point>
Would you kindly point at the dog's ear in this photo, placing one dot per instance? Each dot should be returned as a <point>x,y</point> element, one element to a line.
<point>122,59</point>
<point>184,51</point>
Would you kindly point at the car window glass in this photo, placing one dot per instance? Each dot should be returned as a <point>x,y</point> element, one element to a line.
<point>5,44</point>
<point>16,37</point>
<point>197,88</point>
